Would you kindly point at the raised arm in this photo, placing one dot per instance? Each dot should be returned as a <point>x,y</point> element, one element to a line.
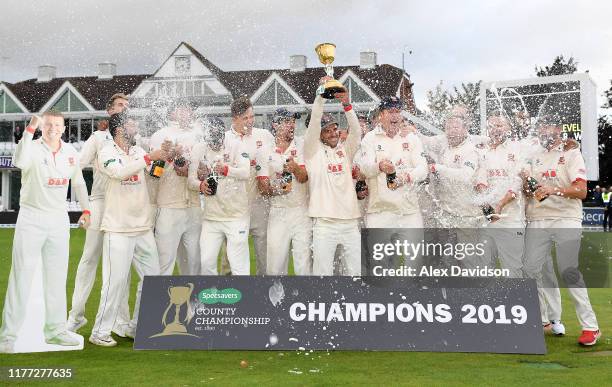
<point>22,158</point>
<point>112,167</point>
<point>312,139</point>
<point>88,151</point>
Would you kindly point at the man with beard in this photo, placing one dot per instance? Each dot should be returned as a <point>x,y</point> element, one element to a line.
<point>333,203</point>
<point>556,187</point>
<point>92,249</point>
<point>178,219</point>
<point>220,170</point>
<point>127,227</point>
<point>289,227</point>
<point>42,232</point>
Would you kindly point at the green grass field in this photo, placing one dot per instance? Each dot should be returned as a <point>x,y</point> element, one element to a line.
<point>565,364</point>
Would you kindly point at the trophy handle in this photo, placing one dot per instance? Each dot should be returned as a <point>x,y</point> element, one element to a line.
<point>166,314</point>
<point>189,310</point>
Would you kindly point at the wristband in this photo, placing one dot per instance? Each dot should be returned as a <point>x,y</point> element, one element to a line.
<point>86,212</point>
<point>147,159</point>
<point>30,129</point>
<point>225,170</point>
<point>347,108</point>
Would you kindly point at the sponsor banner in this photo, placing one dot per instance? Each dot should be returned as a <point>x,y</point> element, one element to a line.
<point>6,162</point>
<point>592,216</point>
<point>337,313</point>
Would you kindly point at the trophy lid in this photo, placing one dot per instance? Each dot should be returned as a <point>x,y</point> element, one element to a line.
<point>326,52</point>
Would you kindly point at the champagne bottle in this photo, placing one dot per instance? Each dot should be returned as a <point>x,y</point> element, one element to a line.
<point>157,168</point>
<point>533,185</point>
<point>487,211</point>
<point>211,180</point>
<point>391,177</point>
<point>360,186</point>
<point>180,162</point>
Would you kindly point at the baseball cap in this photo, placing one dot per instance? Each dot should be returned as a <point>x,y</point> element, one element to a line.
<point>391,103</point>
<point>328,119</point>
<point>281,114</point>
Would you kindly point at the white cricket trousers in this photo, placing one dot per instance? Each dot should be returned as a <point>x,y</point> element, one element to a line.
<point>327,234</point>
<point>258,227</point>
<point>174,227</point>
<point>88,265</point>
<point>289,228</point>
<point>40,237</point>
<point>507,244</point>
<point>566,234</point>
<point>120,251</point>
<point>413,223</point>
<point>236,234</point>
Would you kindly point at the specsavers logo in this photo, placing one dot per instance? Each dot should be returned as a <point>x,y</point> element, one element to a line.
<point>212,296</point>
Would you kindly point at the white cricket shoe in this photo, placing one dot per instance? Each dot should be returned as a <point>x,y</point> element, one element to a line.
<point>103,341</point>
<point>120,329</point>
<point>74,325</point>
<point>64,338</point>
<point>557,328</point>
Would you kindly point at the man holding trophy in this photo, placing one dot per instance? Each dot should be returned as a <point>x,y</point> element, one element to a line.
<point>333,203</point>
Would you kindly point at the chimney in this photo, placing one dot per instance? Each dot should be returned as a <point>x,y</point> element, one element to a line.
<point>297,63</point>
<point>46,73</point>
<point>107,70</point>
<point>367,59</point>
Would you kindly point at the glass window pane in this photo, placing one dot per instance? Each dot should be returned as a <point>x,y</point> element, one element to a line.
<point>197,88</point>
<point>208,90</point>
<point>85,129</point>
<point>189,89</point>
<point>11,106</point>
<point>73,130</point>
<point>358,94</point>
<point>180,88</point>
<point>75,104</point>
<point>62,104</point>
<point>6,131</point>
<point>2,101</point>
<point>283,97</point>
<point>267,97</point>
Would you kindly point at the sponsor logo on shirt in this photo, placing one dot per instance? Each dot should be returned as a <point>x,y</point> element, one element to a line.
<point>497,172</point>
<point>549,173</point>
<point>108,162</point>
<point>334,168</point>
<point>57,182</point>
<point>132,180</point>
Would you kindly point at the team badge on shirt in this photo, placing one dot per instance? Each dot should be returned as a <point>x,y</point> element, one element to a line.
<point>406,146</point>
<point>340,153</point>
<point>293,152</point>
<point>71,161</point>
<point>510,156</point>
<point>259,143</point>
<point>562,160</point>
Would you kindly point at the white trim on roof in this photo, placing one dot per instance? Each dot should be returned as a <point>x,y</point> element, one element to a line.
<point>349,73</point>
<point>275,77</point>
<point>58,94</point>
<point>14,98</point>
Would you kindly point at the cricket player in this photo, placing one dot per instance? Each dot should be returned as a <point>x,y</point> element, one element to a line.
<point>554,215</point>
<point>179,216</point>
<point>457,177</point>
<point>332,202</point>
<point>127,224</point>
<point>289,225</point>
<point>220,170</point>
<point>42,231</point>
<point>92,249</point>
<point>503,164</point>
<point>256,143</point>
<point>393,164</point>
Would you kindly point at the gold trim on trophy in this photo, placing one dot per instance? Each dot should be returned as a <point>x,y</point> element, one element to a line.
<point>327,54</point>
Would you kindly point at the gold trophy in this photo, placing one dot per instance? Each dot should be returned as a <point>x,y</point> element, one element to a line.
<point>327,54</point>
<point>179,295</point>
